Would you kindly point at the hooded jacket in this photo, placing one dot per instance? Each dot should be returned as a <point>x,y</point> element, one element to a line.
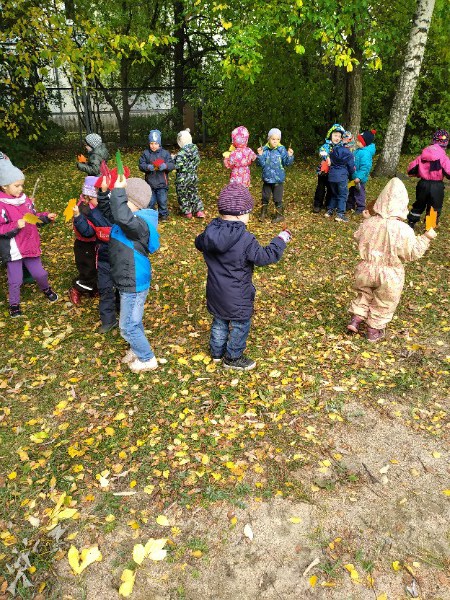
<point>156,179</point>
<point>273,161</point>
<point>342,165</point>
<point>186,163</point>
<point>133,237</point>
<point>363,162</point>
<point>384,240</point>
<point>432,164</point>
<point>231,253</point>
<point>240,159</point>
<point>16,243</point>
<point>95,157</point>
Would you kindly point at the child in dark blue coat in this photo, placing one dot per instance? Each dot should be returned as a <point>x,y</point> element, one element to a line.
<point>342,168</point>
<point>231,253</point>
<point>156,162</point>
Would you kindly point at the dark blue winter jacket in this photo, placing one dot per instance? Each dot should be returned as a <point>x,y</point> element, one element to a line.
<point>133,238</point>
<point>156,179</point>
<point>231,253</point>
<point>82,225</point>
<point>342,164</point>
<point>273,161</point>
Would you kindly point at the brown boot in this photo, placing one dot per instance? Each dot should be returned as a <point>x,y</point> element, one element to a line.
<point>354,324</point>
<point>279,214</point>
<point>375,335</point>
<point>263,213</point>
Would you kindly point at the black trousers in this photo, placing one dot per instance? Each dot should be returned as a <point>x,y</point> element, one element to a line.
<point>275,189</point>
<point>322,195</point>
<point>85,261</point>
<point>428,194</point>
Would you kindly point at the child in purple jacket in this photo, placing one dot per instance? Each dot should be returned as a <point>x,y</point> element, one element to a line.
<point>19,240</point>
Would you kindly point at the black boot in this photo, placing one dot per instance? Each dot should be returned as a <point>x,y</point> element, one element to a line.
<point>263,213</point>
<point>279,215</point>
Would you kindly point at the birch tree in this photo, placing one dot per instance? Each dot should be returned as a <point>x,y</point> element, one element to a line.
<point>388,161</point>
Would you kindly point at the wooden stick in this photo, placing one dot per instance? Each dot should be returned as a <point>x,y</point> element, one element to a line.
<point>35,187</point>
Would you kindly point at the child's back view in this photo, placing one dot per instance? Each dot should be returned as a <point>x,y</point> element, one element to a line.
<point>231,253</point>
<point>385,241</point>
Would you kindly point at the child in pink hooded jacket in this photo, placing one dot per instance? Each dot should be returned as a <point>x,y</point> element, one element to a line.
<point>431,166</point>
<point>19,240</point>
<point>239,159</point>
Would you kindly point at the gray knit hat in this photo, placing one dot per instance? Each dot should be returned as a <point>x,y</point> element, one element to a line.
<point>9,173</point>
<point>235,199</point>
<point>138,192</point>
<point>93,140</point>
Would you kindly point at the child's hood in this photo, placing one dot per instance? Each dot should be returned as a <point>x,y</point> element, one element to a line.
<point>432,153</point>
<point>220,235</point>
<point>393,200</point>
<point>370,149</point>
<point>340,155</point>
<point>239,137</point>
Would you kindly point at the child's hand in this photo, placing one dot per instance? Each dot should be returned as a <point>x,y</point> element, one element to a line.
<point>162,167</point>
<point>285,235</point>
<point>290,152</point>
<point>52,216</point>
<point>76,211</point>
<point>121,182</point>
<point>366,214</point>
<point>328,161</point>
<point>357,180</point>
<point>20,223</point>
<point>150,167</point>
<point>430,234</point>
<point>260,150</point>
<point>105,183</point>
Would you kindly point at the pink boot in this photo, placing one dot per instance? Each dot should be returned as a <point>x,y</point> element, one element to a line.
<point>354,324</point>
<point>200,214</point>
<point>375,335</point>
<point>188,215</point>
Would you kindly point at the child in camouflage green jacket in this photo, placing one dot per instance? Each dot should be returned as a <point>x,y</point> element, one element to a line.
<point>186,181</point>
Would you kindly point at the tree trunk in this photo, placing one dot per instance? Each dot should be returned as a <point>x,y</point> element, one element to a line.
<point>353,93</point>
<point>388,161</point>
<point>178,60</point>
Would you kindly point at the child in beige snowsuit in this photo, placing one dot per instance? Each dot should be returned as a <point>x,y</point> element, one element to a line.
<point>384,241</point>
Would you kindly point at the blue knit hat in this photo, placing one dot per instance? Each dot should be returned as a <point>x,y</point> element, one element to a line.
<point>154,136</point>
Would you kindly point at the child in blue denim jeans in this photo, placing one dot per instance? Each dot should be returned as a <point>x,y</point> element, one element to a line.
<point>133,237</point>
<point>231,253</point>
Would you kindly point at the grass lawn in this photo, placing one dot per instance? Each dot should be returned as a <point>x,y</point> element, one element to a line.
<point>74,421</point>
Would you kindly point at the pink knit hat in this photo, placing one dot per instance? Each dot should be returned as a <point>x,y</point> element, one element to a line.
<point>235,199</point>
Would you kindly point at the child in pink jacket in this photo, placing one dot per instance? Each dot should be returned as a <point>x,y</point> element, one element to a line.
<point>240,159</point>
<point>19,241</point>
<point>431,166</point>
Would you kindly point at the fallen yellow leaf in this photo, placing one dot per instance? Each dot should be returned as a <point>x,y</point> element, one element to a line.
<point>128,576</point>
<point>163,521</point>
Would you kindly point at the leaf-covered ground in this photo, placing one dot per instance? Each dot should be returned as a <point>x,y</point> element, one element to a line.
<point>333,451</point>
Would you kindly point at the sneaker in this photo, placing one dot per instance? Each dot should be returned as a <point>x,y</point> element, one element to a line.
<point>375,335</point>
<point>328,214</point>
<point>51,295</point>
<point>341,219</point>
<point>217,359</point>
<point>200,214</point>
<point>355,323</point>
<point>163,219</point>
<point>105,327</point>
<point>139,366</point>
<point>359,211</point>
<point>188,215</point>
<point>239,364</point>
<point>75,296</point>
<point>316,209</point>
<point>129,357</point>
<point>14,310</point>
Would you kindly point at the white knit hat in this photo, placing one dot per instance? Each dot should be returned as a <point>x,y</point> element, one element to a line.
<point>93,140</point>
<point>184,137</point>
<point>9,173</point>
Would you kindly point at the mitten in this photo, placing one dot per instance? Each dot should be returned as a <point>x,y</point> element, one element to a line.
<point>162,166</point>
<point>150,168</point>
<point>285,235</point>
<point>430,234</point>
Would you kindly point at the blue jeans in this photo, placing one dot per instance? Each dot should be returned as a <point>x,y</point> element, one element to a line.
<point>338,199</point>
<point>228,337</point>
<point>130,323</point>
<point>159,197</point>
